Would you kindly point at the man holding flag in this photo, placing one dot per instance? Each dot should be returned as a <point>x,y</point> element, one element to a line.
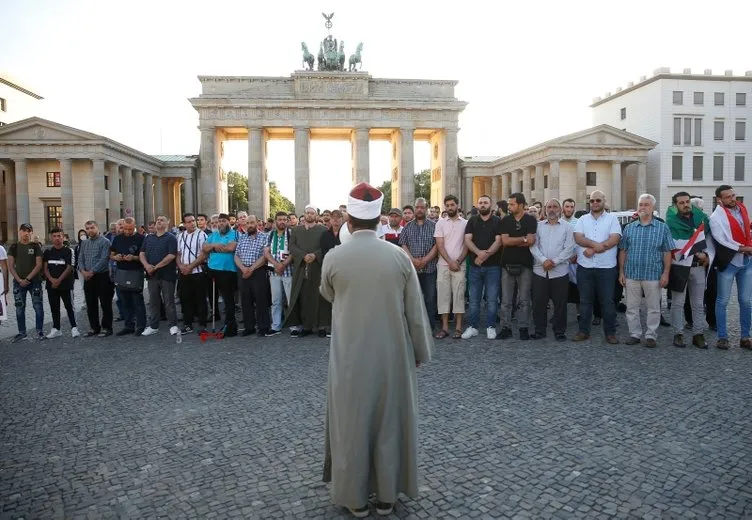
<point>688,226</point>
<point>731,232</point>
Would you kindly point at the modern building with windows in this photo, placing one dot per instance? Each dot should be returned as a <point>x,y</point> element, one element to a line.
<point>701,122</point>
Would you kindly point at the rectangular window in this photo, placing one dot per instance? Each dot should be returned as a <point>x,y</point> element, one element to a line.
<point>3,105</point>
<point>718,130</point>
<point>739,168</point>
<point>623,113</point>
<point>545,181</point>
<point>53,179</point>
<point>590,179</point>
<point>677,130</point>
<point>676,167</point>
<point>697,168</point>
<point>54,217</point>
<point>718,168</point>
<point>687,130</point>
<point>678,97</point>
<point>699,98</point>
<point>741,130</point>
<point>741,99</point>
<point>698,132</point>
<point>718,99</point>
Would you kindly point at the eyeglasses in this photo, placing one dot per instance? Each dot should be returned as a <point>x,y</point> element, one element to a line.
<point>595,200</point>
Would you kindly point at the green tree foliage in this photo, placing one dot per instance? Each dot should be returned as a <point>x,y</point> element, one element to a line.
<point>278,202</point>
<point>422,189</point>
<point>237,189</point>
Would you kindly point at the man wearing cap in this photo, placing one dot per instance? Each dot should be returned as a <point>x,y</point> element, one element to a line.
<point>25,266</point>
<point>393,229</point>
<point>305,247</point>
<point>371,423</point>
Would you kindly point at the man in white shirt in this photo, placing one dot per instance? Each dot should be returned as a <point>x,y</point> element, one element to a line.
<point>192,284</point>
<point>597,234</point>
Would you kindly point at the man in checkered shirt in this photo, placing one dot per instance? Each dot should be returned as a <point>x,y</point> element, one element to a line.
<point>253,279</point>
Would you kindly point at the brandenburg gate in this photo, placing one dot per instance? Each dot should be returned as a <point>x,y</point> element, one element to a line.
<point>328,103</point>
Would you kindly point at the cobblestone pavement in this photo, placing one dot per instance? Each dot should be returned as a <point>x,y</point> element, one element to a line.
<point>143,427</point>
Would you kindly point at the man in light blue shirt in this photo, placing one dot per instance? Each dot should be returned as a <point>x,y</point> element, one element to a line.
<point>220,249</point>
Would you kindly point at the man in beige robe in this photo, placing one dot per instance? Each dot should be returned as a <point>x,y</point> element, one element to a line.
<point>372,402</point>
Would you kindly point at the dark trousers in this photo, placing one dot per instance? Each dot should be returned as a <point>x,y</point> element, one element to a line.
<point>54,296</point>
<point>226,284</point>
<point>600,282</point>
<point>428,287</point>
<point>711,295</point>
<point>134,309</point>
<point>255,294</point>
<point>556,290</point>
<point>99,290</point>
<point>192,290</point>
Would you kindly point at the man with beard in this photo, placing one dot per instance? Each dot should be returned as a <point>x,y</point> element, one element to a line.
<point>417,239</point>
<point>93,265</point>
<point>688,226</point>
<point>253,279</point>
<point>305,247</point>
<point>277,252</point>
<point>730,225</point>
<point>371,433</point>
<point>644,265</point>
<point>451,270</point>
<point>552,251</point>
<point>233,221</point>
<point>329,241</point>
<point>158,254</point>
<point>568,207</point>
<point>125,251</point>
<point>219,248</point>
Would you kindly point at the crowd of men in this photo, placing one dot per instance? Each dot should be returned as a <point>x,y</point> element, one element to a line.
<point>523,259</point>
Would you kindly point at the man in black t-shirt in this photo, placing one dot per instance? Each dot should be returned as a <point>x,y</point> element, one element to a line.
<point>25,266</point>
<point>58,271</point>
<point>483,241</point>
<point>517,234</point>
<point>125,250</point>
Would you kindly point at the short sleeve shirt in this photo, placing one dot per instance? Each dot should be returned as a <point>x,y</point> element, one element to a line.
<point>453,233</point>
<point>222,261</point>
<point>598,230</point>
<point>156,248</point>
<point>484,234</point>
<point>57,261</point>
<point>645,245</point>
<point>25,257</point>
<point>419,240</point>
<point>128,245</point>
<point>527,225</point>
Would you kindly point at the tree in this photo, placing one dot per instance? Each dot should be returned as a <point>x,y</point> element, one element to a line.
<point>278,202</point>
<point>422,189</point>
<point>237,196</point>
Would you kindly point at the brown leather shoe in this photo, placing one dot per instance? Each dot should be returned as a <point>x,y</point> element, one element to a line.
<point>650,343</point>
<point>612,340</point>
<point>722,344</point>
<point>632,341</point>
<point>580,336</point>
<point>698,340</point>
<point>746,343</point>
<point>679,341</point>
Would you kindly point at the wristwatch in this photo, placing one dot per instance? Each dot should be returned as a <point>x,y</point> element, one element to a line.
<point>524,239</point>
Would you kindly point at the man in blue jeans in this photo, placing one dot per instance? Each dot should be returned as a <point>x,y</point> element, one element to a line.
<point>483,241</point>
<point>25,266</point>
<point>730,229</point>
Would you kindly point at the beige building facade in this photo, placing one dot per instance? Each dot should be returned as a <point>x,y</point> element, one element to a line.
<point>571,166</point>
<point>55,175</point>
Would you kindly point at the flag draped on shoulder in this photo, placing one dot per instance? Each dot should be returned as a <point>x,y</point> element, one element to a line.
<point>689,240</point>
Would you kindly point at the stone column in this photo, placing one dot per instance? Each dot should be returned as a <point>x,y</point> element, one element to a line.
<point>395,142</point>
<point>467,194</point>
<point>10,201</point>
<point>302,169</point>
<point>504,186</point>
<point>407,167</point>
<point>515,187</point>
<point>22,192</point>
<point>113,176</point>
<point>553,179</point>
<point>494,189</point>
<point>128,198</point>
<point>210,160</point>
<point>98,195</point>
<point>616,201</point>
<point>158,198</point>
<point>170,204</point>
<point>539,193</point>
<point>526,173</point>
<point>360,156</point>
<point>188,192</point>
<point>450,170</point>
<point>581,189</point>
<point>66,197</point>
<point>148,199</point>
<point>641,184</point>
<point>140,198</point>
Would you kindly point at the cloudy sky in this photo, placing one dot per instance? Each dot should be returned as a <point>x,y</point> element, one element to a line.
<point>528,70</point>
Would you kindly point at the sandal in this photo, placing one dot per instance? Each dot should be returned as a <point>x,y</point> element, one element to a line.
<point>441,334</point>
<point>457,334</point>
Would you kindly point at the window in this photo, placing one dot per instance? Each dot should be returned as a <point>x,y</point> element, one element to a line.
<point>3,105</point>
<point>741,129</point>
<point>678,97</point>
<point>718,99</point>
<point>718,130</point>
<point>692,127</point>
<point>623,113</point>
<point>53,179</point>
<point>676,167</point>
<point>741,99</point>
<point>677,130</point>
<point>699,98</point>
<point>697,168</point>
<point>718,168</point>
<point>545,181</point>
<point>739,168</point>
<point>590,178</point>
<point>54,217</point>
<point>698,132</point>
<point>687,130</point>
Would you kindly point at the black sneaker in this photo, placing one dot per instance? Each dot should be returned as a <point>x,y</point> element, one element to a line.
<point>295,333</point>
<point>186,330</point>
<point>524,334</point>
<point>249,332</point>
<point>124,332</point>
<point>561,337</point>
<point>504,333</point>
<point>273,333</point>
<point>305,333</point>
<point>41,336</point>
<point>104,333</point>
<point>92,334</point>
<point>322,333</point>
<point>18,337</point>
<point>138,332</point>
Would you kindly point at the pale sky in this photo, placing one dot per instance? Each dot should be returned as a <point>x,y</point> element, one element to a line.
<point>528,70</point>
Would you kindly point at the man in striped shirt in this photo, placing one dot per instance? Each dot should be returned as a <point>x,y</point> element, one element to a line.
<point>192,284</point>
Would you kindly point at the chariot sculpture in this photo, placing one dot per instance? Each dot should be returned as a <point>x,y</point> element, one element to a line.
<point>331,55</point>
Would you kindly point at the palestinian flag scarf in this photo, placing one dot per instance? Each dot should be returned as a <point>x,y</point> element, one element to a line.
<point>689,240</point>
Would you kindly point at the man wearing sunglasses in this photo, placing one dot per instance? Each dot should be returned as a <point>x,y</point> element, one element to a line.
<point>597,234</point>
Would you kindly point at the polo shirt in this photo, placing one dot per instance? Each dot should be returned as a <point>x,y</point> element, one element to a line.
<point>222,261</point>
<point>598,230</point>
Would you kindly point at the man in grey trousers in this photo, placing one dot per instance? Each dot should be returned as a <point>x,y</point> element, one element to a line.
<point>158,257</point>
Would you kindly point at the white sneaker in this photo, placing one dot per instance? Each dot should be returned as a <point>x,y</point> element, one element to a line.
<point>173,330</point>
<point>470,332</point>
<point>74,332</point>
<point>148,331</point>
<point>491,332</point>
<point>54,333</point>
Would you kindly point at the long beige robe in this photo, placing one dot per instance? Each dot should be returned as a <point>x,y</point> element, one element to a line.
<point>380,328</point>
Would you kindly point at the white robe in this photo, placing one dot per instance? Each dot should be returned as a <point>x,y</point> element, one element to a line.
<point>380,328</point>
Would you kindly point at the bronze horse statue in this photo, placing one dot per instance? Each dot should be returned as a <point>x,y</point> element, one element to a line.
<point>355,58</point>
<point>307,57</point>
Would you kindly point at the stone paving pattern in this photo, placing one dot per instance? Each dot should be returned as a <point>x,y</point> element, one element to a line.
<point>145,428</point>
